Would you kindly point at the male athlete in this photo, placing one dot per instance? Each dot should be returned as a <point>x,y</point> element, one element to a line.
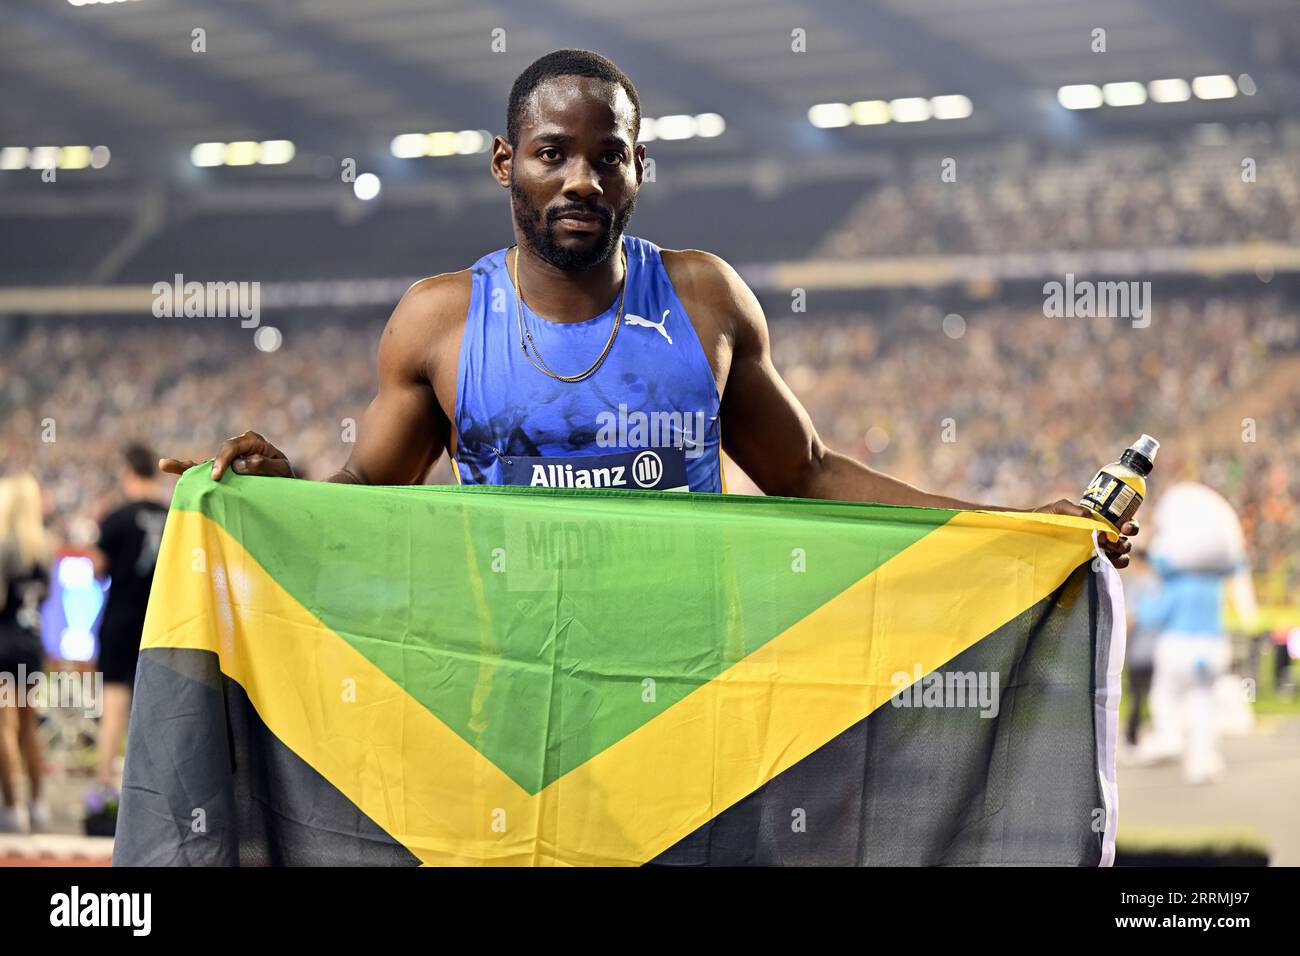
<point>583,357</point>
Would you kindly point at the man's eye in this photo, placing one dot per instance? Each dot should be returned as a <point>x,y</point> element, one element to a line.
<point>618,156</point>
<point>550,149</point>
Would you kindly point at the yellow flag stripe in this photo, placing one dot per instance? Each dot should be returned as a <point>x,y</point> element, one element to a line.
<point>402,766</point>
<point>796,693</point>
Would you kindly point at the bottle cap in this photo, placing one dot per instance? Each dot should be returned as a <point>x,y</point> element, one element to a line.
<point>1141,455</point>
<point>1146,446</point>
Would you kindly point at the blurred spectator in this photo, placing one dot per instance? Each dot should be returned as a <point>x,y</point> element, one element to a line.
<point>126,553</point>
<point>1141,588</point>
<point>25,556</point>
<point>1198,550</point>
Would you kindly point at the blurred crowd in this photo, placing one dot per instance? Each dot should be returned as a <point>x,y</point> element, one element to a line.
<point>1023,197</point>
<point>72,394</point>
<point>1001,405</point>
<point>1006,406</point>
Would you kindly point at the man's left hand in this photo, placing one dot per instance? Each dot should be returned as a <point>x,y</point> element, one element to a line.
<point>1116,550</point>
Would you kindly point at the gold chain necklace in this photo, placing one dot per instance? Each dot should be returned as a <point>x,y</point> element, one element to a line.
<point>525,334</point>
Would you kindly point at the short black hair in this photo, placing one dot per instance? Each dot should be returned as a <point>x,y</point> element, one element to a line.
<point>140,459</point>
<point>567,63</point>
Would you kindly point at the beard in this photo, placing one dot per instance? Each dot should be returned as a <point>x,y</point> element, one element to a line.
<point>538,227</point>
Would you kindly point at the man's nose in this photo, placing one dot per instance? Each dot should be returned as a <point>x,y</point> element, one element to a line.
<point>583,180</point>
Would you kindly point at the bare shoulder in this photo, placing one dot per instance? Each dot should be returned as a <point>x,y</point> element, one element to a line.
<point>708,283</point>
<point>431,306</point>
<point>697,272</point>
<point>425,316</point>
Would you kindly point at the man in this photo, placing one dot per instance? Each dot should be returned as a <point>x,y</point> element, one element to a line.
<point>127,552</point>
<point>582,357</point>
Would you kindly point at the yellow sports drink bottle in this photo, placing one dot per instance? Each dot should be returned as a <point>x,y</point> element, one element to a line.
<point>1117,490</point>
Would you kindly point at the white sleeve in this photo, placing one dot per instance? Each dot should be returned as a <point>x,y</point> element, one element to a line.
<point>1243,598</point>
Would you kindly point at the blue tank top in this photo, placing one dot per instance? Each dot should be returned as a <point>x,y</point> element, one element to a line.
<point>647,419</point>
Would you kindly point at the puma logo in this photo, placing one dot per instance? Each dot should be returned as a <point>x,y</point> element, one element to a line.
<point>631,319</point>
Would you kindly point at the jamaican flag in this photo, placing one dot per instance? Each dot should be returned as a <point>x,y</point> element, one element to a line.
<point>337,675</point>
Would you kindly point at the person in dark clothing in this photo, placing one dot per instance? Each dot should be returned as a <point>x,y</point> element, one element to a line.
<point>126,554</point>
<point>24,582</point>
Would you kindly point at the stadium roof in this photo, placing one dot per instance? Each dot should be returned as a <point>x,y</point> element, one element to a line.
<point>343,78</point>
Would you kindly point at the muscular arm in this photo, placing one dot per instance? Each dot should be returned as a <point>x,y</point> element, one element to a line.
<point>768,432</point>
<point>404,430</point>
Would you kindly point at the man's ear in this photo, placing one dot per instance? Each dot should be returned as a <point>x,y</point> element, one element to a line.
<point>640,163</point>
<point>503,157</point>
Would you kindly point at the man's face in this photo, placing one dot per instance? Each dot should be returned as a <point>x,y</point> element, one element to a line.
<point>575,158</point>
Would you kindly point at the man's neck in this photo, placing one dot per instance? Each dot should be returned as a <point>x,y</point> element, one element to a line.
<point>558,295</point>
<point>141,491</point>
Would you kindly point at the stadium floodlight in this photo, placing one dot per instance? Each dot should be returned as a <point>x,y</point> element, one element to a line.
<point>43,157</point>
<point>676,126</point>
<point>1217,87</point>
<point>242,152</point>
<point>1080,96</point>
<point>208,154</point>
<point>13,157</point>
<point>99,157</point>
<point>408,145</point>
<point>709,124</point>
<point>74,157</point>
<point>910,109</point>
<point>1173,90</point>
<point>276,152</point>
<point>955,106</point>
<point>366,187</point>
<point>443,143</point>
<point>472,141</point>
<point>830,115</point>
<point>870,112</point>
<point>646,133</point>
<point>1124,94</point>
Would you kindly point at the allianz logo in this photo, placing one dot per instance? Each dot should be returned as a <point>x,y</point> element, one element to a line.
<point>644,472</point>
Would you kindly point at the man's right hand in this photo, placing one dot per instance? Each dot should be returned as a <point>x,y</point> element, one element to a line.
<point>246,454</point>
